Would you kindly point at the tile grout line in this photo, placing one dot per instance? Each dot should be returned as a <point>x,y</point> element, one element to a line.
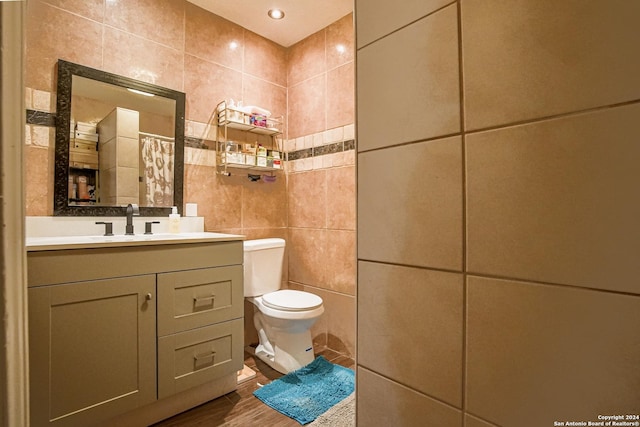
<point>406,25</point>
<point>508,125</point>
<point>463,361</point>
<point>430,396</point>
<point>507,278</point>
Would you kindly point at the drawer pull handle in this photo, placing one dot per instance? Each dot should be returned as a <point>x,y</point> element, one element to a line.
<point>197,300</point>
<point>148,297</point>
<point>199,357</point>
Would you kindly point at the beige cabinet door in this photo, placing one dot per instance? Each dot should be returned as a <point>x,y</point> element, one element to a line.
<point>92,350</point>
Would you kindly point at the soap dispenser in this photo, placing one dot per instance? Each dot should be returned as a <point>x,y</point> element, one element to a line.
<point>174,220</point>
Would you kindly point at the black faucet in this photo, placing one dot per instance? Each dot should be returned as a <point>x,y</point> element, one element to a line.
<point>132,209</point>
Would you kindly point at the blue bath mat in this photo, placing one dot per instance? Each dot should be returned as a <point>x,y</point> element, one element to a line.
<point>308,392</point>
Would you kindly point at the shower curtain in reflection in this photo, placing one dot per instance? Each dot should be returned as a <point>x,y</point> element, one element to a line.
<point>157,158</point>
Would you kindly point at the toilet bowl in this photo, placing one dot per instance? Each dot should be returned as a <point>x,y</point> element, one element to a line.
<point>283,318</point>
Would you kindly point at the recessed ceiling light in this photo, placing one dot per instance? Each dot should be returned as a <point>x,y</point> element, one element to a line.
<point>275,14</point>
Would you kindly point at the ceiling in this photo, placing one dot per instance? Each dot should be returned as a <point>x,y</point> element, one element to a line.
<point>302,17</point>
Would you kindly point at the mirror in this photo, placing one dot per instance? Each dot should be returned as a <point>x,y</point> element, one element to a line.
<point>118,141</point>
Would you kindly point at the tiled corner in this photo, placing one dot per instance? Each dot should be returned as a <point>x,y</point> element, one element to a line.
<point>341,96</point>
<point>408,83</point>
<point>307,107</point>
<point>306,59</point>
<point>340,42</point>
<point>336,328</point>
<point>265,59</point>
<point>549,201</point>
<point>571,351</point>
<point>418,221</point>
<point>339,262</point>
<point>525,59</point>
<point>341,322</point>
<point>341,198</point>
<point>306,256</point>
<point>416,308</point>
<point>307,198</point>
<point>382,402</point>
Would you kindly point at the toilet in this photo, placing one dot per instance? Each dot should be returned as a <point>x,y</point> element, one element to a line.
<point>283,318</point>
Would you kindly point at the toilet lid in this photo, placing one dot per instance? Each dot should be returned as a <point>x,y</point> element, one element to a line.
<point>291,300</point>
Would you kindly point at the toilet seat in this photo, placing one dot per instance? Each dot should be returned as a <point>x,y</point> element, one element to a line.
<point>291,300</point>
<point>290,313</point>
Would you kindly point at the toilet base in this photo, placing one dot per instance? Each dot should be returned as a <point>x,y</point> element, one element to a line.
<point>291,351</point>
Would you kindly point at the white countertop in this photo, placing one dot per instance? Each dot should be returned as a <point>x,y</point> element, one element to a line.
<point>89,242</point>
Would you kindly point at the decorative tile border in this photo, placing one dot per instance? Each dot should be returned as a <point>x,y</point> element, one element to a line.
<point>203,144</point>
<point>322,150</point>
<point>42,118</point>
<point>300,154</point>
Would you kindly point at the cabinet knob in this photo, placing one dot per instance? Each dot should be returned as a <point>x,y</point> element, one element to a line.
<point>149,297</point>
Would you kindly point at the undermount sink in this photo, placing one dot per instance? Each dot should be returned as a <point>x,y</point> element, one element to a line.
<point>81,242</point>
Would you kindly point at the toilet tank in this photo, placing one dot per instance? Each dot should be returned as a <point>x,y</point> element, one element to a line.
<point>262,266</point>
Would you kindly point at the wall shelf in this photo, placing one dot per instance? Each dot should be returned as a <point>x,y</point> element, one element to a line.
<point>251,126</point>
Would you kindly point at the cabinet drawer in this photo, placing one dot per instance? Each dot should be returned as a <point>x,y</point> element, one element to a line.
<point>191,358</point>
<point>195,298</point>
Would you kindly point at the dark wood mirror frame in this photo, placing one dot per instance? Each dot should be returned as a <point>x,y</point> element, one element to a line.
<point>61,207</point>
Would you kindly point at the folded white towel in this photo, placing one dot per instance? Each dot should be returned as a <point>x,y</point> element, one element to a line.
<point>252,109</point>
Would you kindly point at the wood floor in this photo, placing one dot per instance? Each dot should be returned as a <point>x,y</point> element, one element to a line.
<point>240,408</point>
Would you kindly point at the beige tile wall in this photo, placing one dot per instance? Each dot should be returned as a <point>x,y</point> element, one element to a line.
<point>179,46</point>
<point>497,231</point>
<point>321,81</point>
<point>182,47</point>
<point>392,404</point>
<point>322,247</point>
<point>321,188</point>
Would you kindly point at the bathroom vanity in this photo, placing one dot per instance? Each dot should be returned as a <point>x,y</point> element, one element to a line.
<point>129,331</point>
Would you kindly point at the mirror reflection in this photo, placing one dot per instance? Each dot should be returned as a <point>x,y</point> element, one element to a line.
<point>123,144</point>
